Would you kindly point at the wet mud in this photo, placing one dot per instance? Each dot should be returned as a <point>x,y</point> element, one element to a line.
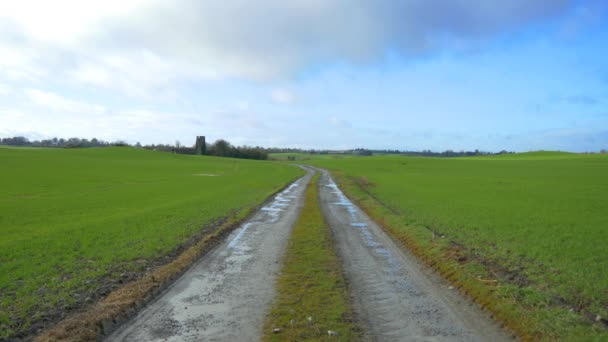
<point>224,296</point>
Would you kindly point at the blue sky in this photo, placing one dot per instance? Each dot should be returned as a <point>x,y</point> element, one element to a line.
<point>462,75</point>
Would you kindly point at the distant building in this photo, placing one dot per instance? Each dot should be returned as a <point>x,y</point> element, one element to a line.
<point>200,147</point>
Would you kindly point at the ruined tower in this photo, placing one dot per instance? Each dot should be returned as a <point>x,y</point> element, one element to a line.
<point>200,147</point>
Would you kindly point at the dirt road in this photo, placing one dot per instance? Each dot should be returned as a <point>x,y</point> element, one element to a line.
<point>395,297</point>
<point>223,297</point>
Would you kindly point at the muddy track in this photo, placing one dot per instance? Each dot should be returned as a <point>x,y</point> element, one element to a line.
<point>394,296</point>
<point>224,296</point>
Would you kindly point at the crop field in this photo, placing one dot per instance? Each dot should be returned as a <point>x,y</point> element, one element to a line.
<point>70,218</point>
<point>532,225</point>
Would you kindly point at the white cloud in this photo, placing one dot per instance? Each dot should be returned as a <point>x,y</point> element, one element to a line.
<point>19,62</point>
<point>282,96</point>
<point>138,73</point>
<point>133,125</point>
<point>243,106</point>
<point>66,21</point>
<point>142,46</point>
<point>49,100</point>
<point>5,90</point>
<point>151,49</point>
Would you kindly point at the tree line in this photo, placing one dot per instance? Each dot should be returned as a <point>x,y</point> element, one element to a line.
<point>223,148</point>
<point>60,142</point>
<point>220,148</point>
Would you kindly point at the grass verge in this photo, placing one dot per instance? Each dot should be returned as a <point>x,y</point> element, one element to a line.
<point>312,297</point>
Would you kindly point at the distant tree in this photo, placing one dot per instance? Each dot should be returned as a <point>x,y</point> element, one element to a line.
<point>16,141</point>
<point>221,148</point>
<point>73,143</point>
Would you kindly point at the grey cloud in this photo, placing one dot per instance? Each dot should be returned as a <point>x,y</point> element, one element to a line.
<point>143,53</point>
<point>276,38</point>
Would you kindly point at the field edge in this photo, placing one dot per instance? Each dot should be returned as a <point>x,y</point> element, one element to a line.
<point>98,320</point>
<point>453,264</point>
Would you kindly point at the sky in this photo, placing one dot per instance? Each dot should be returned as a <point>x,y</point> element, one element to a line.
<point>518,75</point>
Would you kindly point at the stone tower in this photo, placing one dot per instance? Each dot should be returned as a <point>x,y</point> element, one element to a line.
<point>200,148</point>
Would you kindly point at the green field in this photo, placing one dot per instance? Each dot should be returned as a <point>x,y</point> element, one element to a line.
<point>536,222</point>
<point>71,217</point>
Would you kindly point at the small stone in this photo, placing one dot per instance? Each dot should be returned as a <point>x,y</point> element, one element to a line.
<point>450,287</point>
<point>332,333</point>
<point>276,330</point>
<point>598,318</point>
<point>309,318</point>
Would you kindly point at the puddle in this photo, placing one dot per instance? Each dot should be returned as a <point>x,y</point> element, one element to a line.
<point>232,244</point>
<point>281,201</point>
<point>362,228</point>
<point>273,208</point>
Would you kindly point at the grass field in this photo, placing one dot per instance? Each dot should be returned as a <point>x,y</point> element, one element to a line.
<point>71,217</point>
<point>535,222</point>
<point>311,284</point>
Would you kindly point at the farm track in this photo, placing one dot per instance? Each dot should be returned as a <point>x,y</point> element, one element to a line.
<point>225,295</point>
<point>394,296</point>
